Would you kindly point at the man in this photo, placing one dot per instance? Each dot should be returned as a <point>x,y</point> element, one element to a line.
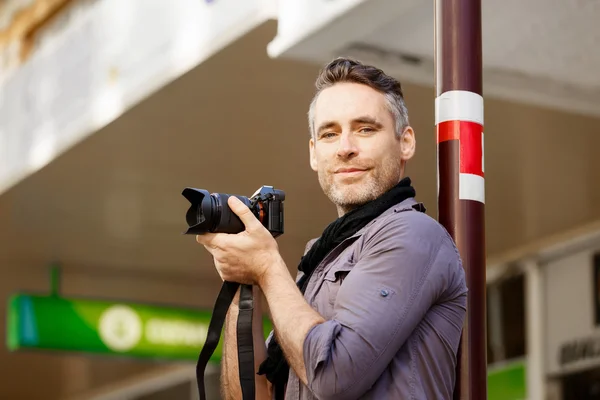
<point>379,304</point>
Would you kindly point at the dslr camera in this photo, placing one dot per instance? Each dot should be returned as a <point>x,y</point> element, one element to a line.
<point>209,212</point>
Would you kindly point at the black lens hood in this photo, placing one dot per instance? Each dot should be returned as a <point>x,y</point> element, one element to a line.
<point>196,216</point>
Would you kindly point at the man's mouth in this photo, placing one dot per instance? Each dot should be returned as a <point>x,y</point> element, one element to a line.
<point>349,171</point>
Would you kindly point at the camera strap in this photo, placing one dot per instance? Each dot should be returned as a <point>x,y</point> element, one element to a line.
<point>244,337</point>
<point>245,343</point>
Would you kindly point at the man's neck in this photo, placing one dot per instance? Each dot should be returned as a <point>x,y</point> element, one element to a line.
<point>343,210</point>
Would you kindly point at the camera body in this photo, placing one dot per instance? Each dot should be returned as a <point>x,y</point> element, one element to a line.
<point>209,212</point>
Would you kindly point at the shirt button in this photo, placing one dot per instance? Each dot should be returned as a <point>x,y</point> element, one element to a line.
<point>384,292</point>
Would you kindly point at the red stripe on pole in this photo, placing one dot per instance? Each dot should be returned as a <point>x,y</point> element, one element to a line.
<point>448,130</point>
<point>471,150</point>
<point>470,135</point>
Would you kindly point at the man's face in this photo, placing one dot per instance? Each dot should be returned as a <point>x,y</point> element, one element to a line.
<point>356,151</point>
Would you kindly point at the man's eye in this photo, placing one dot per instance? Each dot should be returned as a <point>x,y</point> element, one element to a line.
<point>328,134</point>
<point>366,130</point>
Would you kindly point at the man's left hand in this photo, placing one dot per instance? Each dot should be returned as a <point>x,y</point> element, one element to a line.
<point>246,256</point>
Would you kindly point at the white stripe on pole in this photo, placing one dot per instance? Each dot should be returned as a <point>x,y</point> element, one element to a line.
<point>459,105</point>
<point>471,187</point>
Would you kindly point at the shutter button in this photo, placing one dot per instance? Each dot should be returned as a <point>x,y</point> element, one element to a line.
<point>385,293</point>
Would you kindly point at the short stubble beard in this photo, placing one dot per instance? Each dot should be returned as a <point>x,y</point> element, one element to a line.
<point>352,195</point>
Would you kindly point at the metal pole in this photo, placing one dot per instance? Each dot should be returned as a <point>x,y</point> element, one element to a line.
<point>461,188</point>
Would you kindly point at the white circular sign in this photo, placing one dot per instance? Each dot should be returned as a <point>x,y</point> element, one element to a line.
<point>120,328</point>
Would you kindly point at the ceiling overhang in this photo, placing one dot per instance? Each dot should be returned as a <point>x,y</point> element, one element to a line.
<point>532,53</point>
<point>99,60</point>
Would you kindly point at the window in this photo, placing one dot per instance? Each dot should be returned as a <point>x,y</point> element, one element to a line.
<point>506,319</point>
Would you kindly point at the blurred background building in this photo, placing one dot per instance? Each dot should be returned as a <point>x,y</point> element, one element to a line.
<point>109,108</point>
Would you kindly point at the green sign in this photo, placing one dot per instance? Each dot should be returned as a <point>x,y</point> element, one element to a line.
<point>112,328</point>
<point>148,331</point>
<point>508,382</point>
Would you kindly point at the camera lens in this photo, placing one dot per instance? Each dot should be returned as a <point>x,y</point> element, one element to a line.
<point>209,212</point>
<point>200,213</point>
<point>225,220</point>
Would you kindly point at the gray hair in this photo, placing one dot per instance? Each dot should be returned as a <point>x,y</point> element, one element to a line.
<point>348,70</point>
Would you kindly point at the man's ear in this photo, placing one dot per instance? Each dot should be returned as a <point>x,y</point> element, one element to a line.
<point>313,156</point>
<point>408,143</point>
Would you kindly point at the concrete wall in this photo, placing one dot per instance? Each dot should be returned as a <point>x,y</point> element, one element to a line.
<point>572,334</point>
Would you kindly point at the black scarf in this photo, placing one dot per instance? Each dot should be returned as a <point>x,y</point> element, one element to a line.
<point>275,367</point>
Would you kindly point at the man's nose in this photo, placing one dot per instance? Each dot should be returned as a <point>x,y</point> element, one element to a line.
<point>347,146</point>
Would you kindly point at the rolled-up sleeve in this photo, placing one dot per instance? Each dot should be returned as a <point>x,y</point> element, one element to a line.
<point>385,296</point>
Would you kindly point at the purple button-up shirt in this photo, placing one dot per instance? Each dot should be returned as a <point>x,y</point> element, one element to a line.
<point>393,327</point>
